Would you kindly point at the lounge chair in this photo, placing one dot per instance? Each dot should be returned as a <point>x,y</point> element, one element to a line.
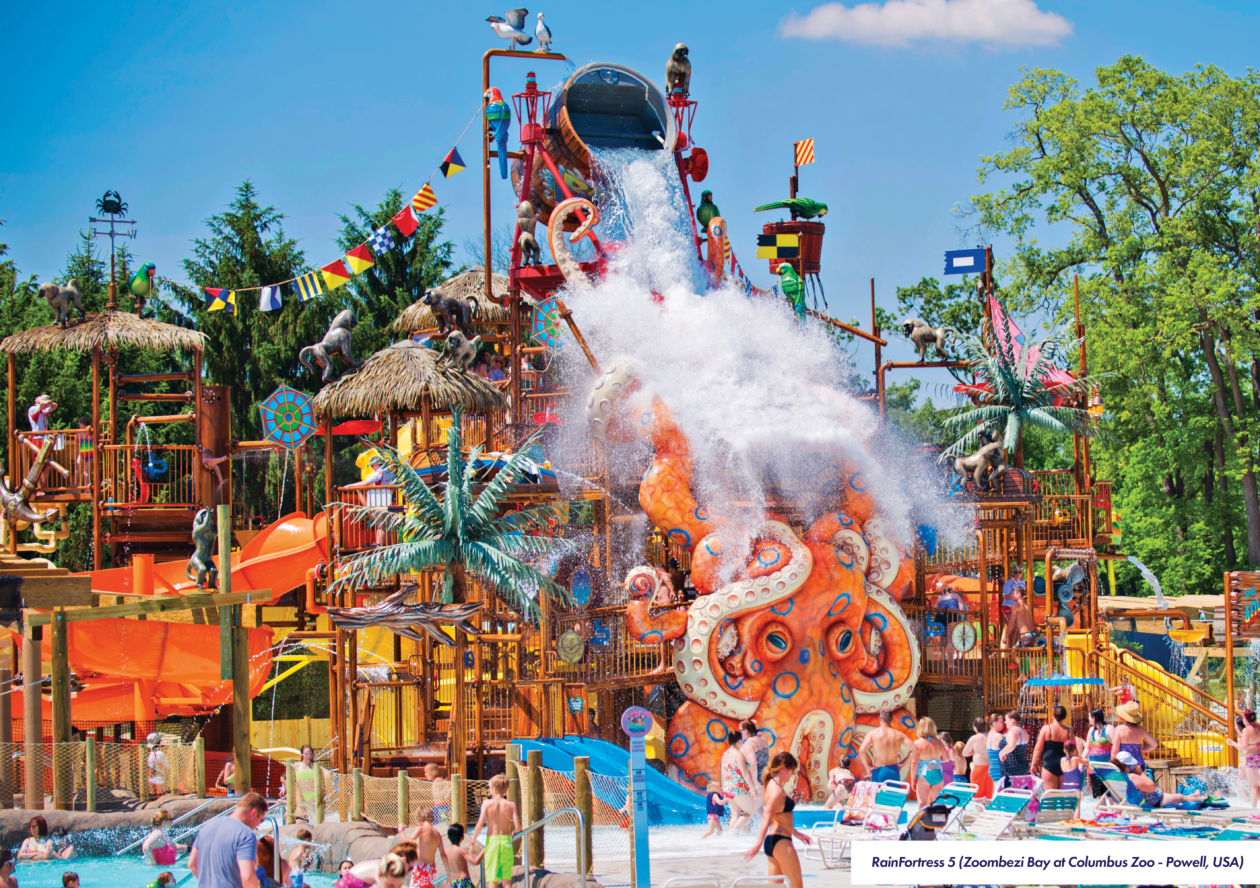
<point>881,821</point>
<point>958,796</point>
<point>998,816</point>
<point>1057,805</point>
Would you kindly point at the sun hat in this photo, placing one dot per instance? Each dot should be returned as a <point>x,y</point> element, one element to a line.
<point>1128,760</point>
<point>1130,712</point>
<point>154,739</point>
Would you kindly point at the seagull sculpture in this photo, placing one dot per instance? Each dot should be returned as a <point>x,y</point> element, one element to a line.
<point>511,27</point>
<point>544,35</point>
<point>412,620</point>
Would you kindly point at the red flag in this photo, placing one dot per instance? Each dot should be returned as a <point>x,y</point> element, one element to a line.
<point>406,222</point>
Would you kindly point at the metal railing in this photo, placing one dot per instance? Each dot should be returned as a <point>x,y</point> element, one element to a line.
<point>206,804</point>
<point>142,478</point>
<point>539,824</point>
<point>612,658</point>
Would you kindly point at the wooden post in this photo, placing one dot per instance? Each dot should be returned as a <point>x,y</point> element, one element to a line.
<point>11,365</point>
<point>199,760</point>
<point>32,722</point>
<point>242,713</point>
<point>97,454</point>
<point>291,793</point>
<point>306,732</point>
<point>356,804</point>
<point>534,807</point>
<point>459,801</point>
<point>984,624</point>
<point>6,737</point>
<point>63,779</point>
<point>514,788</point>
<point>89,773</point>
<point>319,795</point>
<point>584,803</point>
<point>404,799</point>
<point>459,718</point>
<point>1230,703</point>
<point>224,526</point>
<point>478,714</point>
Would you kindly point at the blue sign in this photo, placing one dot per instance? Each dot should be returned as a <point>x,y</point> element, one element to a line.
<point>636,722</point>
<point>599,635</point>
<point>934,629</point>
<point>580,587</point>
<point>964,261</point>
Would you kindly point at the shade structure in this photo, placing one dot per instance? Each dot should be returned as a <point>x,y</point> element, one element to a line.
<point>110,331</point>
<point>470,284</point>
<point>397,379</point>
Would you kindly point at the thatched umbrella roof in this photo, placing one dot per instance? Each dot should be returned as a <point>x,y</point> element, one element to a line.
<point>108,330</point>
<point>470,284</point>
<point>397,378</point>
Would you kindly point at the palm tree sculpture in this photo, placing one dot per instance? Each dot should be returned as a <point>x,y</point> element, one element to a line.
<point>460,534</point>
<point>1012,390</point>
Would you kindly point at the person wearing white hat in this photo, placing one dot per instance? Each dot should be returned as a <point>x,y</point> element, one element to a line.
<point>159,765</point>
<point>1142,790</point>
<point>1129,735</point>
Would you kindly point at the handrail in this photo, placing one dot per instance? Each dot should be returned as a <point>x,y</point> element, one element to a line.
<point>181,819</point>
<point>538,824</point>
<point>1163,689</point>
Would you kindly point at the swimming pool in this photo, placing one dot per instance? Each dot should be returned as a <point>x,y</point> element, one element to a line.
<point>116,872</point>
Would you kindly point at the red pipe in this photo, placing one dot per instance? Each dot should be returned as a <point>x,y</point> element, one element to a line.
<point>311,574</point>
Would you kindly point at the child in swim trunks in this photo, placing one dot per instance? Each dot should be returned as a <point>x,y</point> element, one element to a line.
<point>459,859</point>
<point>501,820</point>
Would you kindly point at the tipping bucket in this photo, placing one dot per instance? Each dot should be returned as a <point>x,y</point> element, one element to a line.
<point>601,106</point>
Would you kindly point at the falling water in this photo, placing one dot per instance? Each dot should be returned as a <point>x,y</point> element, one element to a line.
<point>1151,579</point>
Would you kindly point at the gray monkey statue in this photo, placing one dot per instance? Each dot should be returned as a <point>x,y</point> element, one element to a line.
<point>335,342</point>
<point>678,71</point>
<point>451,313</point>
<point>460,350</point>
<point>922,335</point>
<point>200,565</point>
<point>61,298</point>
<point>988,457</point>
<point>526,218</point>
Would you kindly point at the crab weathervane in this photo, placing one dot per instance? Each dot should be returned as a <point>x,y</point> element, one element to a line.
<point>111,204</point>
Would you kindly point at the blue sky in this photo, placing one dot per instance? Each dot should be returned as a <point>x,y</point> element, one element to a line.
<point>323,105</point>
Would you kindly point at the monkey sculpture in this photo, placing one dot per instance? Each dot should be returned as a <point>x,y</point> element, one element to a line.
<point>526,218</point>
<point>61,298</point>
<point>460,350</point>
<point>451,312</point>
<point>335,342</point>
<point>922,335</point>
<point>989,457</point>
<point>678,71</point>
<point>200,565</point>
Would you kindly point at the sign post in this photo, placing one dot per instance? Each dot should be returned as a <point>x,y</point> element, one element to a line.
<point>636,722</point>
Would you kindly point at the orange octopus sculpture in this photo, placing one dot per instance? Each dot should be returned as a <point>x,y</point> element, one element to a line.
<point>804,635</point>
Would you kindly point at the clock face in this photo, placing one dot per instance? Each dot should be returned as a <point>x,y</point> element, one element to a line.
<point>964,636</point>
<point>570,647</point>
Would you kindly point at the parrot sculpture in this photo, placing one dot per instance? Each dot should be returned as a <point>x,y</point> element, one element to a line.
<point>793,288</point>
<point>499,116</point>
<point>799,207</point>
<point>142,281</point>
<point>707,209</point>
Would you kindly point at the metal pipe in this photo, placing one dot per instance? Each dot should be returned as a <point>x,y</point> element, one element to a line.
<point>901,365</point>
<point>581,845</point>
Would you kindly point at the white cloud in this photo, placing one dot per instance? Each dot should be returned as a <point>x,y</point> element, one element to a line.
<point>999,23</point>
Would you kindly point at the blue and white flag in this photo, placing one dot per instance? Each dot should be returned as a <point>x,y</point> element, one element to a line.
<point>269,300</point>
<point>964,261</point>
<point>381,240</point>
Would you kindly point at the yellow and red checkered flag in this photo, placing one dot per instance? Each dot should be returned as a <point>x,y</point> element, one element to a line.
<point>804,152</point>
<point>424,199</point>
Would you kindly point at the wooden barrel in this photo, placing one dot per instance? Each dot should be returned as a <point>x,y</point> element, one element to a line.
<point>601,106</point>
<point>811,235</point>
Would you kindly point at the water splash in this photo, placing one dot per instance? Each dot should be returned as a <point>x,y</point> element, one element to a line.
<point>1153,581</point>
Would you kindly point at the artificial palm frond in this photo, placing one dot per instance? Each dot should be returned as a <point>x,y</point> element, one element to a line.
<point>448,529</point>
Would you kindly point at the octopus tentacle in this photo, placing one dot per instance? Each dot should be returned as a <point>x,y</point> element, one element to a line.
<point>883,678</point>
<point>559,240</point>
<point>643,583</point>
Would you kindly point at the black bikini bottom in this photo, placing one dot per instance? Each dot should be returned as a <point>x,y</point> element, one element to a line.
<point>772,840</point>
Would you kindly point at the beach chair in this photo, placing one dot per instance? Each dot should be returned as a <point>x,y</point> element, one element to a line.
<point>1057,805</point>
<point>958,796</point>
<point>996,819</point>
<point>881,821</point>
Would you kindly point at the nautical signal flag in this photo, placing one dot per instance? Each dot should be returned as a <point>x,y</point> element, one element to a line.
<point>335,274</point>
<point>309,286</point>
<point>269,298</point>
<point>804,151</point>
<point>452,163</point>
<point>425,199</point>
<point>382,240</point>
<point>778,246</point>
<point>406,222</point>
<point>220,300</point>
<point>360,258</point>
<point>965,261</point>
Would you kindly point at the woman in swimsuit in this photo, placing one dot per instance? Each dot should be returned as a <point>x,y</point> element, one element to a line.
<point>755,746</point>
<point>777,830</point>
<point>994,745</point>
<point>1098,748</point>
<point>1014,757</point>
<point>1129,736</point>
<point>1248,746</point>
<point>1074,766</point>
<point>158,849</point>
<point>1143,792</point>
<point>737,781</point>
<point>929,776</point>
<point>1049,750</point>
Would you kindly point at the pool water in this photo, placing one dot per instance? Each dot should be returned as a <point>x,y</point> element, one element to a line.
<point>116,872</point>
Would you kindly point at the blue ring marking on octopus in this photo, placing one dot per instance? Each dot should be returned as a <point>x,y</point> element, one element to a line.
<point>844,519</point>
<point>785,694</point>
<point>701,780</point>
<point>853,482</point>
<point>767,561</point>
<point>878,621</point>
<point>805,655</point>
<point>710,541</point>
<point>716,738</point>
<point>645,418</point>
<point>726,680</point>
<point>845,559</point>
<point>845,695</point>
<point>831,667</point>
<point>907,721</point>
<point>883,687</point>
<point>773,738</point>
<point>837,608</point>
<point>756,666</point>
<point>701,513</point>
<point>673,744</point>
<point>680,536</point>
<point>647,636</point>
<point>846,738</point>
<point>775,608</point>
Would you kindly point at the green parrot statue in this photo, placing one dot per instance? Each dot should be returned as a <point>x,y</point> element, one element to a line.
<point>793,289</point>
<point>799,207</point>
<point>707,209</point>
<point>142,281</point>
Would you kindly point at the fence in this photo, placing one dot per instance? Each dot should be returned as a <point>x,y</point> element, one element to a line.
<point>117,767</point>
<point>611,658</point>
<point>69,471</point>
<point>143,478</point>
<point>610,835</point>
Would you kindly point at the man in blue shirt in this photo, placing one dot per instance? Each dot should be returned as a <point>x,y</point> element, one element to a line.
<point>225,852</point>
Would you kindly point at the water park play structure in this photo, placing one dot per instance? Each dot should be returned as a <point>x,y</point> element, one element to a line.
<point>817,547</point>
